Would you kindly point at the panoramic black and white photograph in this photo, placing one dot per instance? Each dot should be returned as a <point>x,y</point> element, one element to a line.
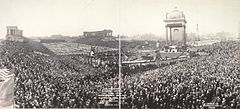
<point>121,54</point>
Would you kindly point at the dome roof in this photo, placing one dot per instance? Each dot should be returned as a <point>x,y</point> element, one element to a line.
<point>175,14</point>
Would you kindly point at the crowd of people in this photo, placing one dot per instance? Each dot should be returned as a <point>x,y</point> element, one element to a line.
<point>43,81</point>
<point>46,81</point>
<point>190,84</point>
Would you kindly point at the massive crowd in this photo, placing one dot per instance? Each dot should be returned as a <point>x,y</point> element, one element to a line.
<point>190,84</point>
<point>45,81</point>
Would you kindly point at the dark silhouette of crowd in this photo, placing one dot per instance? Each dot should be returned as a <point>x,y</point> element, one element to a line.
<point>50,81</point>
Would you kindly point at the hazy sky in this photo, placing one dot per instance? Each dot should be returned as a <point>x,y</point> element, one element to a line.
<point>128,17</point>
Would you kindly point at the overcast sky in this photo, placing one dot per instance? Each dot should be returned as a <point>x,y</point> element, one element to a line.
<point>128,17</point>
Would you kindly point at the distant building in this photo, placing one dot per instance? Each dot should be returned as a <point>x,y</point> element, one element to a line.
<point>239,30</point>
<point>98,33</point>
<point>14,31</point>
<point>175,28</point>
<point>59,36</point>
<point>14,34</point>
<point>52,40</point>
<point>192,37</point>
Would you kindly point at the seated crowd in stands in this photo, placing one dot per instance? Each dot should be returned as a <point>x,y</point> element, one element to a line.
<point>190,84</point>
<point>66,81</point>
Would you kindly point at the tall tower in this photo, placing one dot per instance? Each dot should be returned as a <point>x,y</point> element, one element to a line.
<point>175,28</point>
<point>197,33</point>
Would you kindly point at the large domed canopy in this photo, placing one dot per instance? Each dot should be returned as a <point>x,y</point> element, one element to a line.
<point>175,14</point>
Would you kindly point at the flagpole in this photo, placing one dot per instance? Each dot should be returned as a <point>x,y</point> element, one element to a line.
<point>119,69</point>
<point>119,57</point>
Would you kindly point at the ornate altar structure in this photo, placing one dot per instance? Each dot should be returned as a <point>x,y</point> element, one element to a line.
<point>175,28</point>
